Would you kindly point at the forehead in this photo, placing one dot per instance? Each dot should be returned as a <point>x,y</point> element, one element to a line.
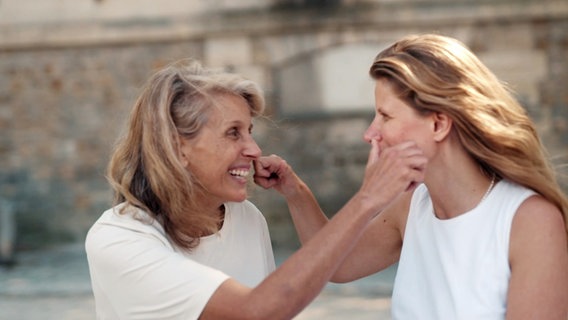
<point>385,94</point>
<point>230,107</point>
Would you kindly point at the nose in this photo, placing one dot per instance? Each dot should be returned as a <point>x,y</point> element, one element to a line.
<point>372,132</point>
<point>252,150</point>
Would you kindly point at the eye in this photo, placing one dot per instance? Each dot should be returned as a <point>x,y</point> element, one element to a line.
<point>383,115</point>
<point>234,133</point>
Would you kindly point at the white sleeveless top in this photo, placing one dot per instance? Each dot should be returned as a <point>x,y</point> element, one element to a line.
<point>457,268</point>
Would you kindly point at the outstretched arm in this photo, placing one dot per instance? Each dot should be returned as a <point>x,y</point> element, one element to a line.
<point>300,278</point>
<point>308,218</point>
<point>380,244</point>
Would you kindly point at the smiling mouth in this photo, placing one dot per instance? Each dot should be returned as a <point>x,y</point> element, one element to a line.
<point>239,173</point>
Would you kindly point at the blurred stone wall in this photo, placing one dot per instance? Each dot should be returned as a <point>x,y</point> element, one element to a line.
<point>70,71</point>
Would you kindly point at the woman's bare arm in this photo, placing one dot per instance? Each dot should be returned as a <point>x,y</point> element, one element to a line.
<point>380,244</point>
<point>538,256</point>
<point>299,279</point>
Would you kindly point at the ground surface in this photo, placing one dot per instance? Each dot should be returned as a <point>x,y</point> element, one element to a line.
<point>54,285</point>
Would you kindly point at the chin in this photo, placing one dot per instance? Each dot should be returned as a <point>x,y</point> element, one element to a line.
<point>238,198</point>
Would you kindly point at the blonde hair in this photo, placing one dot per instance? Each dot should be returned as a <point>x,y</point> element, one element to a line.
<point>434,73</point>
<point>145,169</point>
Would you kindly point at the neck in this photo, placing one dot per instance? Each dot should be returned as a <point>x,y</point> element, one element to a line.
<point>455,181</point>
<point>221,213</point>
<point>489,189</point>
<point>453,198</point>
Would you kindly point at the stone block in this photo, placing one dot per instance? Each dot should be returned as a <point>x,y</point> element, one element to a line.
<point>227,52</point>
<point>522,70</point>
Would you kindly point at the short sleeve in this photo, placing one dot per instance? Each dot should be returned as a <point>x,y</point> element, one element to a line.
<point>136,276</point>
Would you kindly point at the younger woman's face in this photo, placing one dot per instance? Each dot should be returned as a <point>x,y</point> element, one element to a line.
<point>221,154</point>
<point>395,122</point>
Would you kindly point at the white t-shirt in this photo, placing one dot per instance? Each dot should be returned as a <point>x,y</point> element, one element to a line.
<point>137,273</point>
<point>458,268</point>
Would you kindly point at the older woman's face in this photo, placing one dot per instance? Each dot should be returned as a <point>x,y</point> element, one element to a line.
<point>221,155</point>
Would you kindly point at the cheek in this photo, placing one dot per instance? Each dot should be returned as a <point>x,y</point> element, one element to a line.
<point>398,133</point>
<point>420,134</point>
<point>395,133</point>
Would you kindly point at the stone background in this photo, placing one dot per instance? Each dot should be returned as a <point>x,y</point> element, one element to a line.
<point>71,69</point>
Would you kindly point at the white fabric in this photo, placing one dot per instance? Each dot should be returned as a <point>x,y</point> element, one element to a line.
<point>137,273</point>
<point>457,268</point>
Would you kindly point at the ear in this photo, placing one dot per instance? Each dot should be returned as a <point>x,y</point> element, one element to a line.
<point>442,125</point>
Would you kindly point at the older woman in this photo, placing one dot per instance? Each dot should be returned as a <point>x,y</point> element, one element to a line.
<point>485,236</point>
<point>182,241</point>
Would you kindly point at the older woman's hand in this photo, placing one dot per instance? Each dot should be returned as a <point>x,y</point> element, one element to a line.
<point>274,172</point>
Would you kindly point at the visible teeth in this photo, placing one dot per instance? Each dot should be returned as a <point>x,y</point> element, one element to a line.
<point>240,173</point>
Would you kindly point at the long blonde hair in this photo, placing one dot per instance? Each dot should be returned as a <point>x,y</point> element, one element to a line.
<point>434,73</point>
<point>145,169</point>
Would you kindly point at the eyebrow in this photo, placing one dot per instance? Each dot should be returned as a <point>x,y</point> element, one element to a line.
<point>238,123</point>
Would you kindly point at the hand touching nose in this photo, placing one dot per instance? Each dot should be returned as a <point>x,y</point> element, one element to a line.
<point>275,172</point>
<point>392,171</point>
